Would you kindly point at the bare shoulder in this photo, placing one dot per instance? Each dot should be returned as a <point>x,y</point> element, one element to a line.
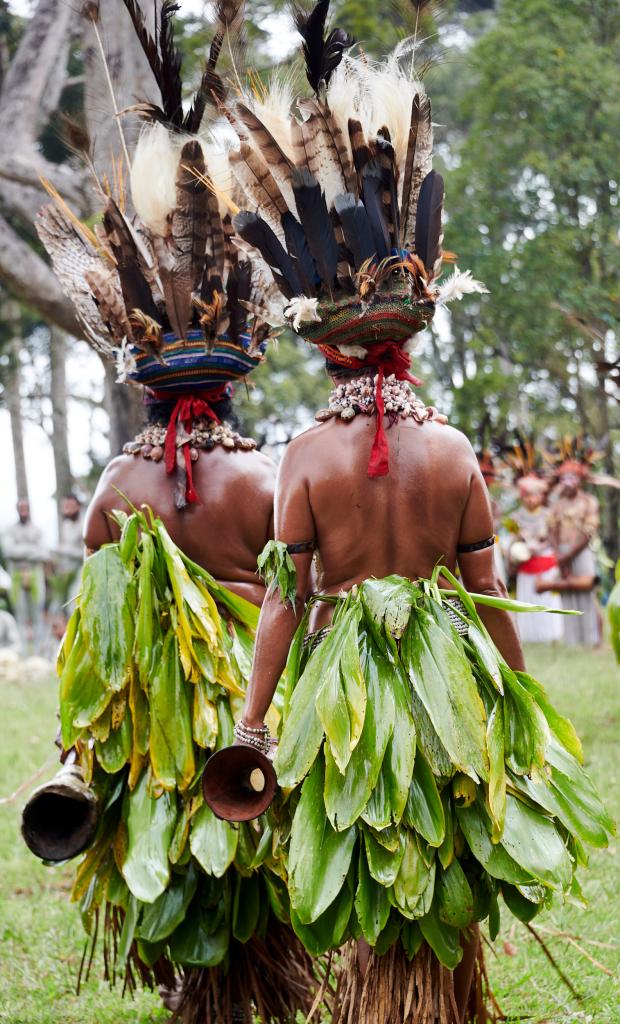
<point>113,472</point>
<point>454,442</point>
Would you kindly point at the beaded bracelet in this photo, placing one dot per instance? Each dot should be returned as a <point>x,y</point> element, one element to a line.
<point>259,738</point>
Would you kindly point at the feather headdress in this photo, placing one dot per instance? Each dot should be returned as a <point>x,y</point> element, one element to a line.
<point>165,294</point>
<point>340,195</point>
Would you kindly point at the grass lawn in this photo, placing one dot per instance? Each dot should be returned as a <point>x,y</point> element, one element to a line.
<point>42,937</point>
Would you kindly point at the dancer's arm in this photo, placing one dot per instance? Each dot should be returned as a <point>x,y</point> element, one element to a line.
<point>278,622</point>
<point>479,574</point>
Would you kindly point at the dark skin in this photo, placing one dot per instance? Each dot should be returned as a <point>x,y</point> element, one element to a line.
<point>570,487</point>
<point>433,499</point>
<point>224,532</point>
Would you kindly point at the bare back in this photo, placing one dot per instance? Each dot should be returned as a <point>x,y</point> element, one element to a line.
<point>402,523</point>
<point>224,532</point>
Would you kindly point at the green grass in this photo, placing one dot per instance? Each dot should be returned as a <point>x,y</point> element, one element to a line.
<point>42,937</point>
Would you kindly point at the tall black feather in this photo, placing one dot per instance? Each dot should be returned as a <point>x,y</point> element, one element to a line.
<point>163,58</point>
<point>134,286</point>
<point>317,225</point>
<point>211,88</point>
<point>372,194</point>
<point>255,231</point>
<point>356,228</point>
<point>387,162</point>
<point>428,228</point>
<point>322,55</point>
<point>299,251</point>
<point>238,290</point>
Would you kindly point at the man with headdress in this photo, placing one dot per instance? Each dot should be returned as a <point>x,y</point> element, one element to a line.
<point>574,526</point>
<point>154,663</point>
<point>531,552</point>
<point>402,719</point>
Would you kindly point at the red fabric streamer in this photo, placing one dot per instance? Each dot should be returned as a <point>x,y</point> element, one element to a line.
<point>388,358</point>
<point>186,410</point>
<point>538,564</point>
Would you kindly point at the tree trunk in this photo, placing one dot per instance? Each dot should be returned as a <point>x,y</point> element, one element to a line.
<point>125,410</point>
<point>60,436</point>
<point>14,405</point>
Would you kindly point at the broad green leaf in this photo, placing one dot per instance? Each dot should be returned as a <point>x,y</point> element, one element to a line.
<point>128,542</point>
<point>213,842</point>
<point>278,897</point>
<point>442,678</point>
<point>532,840</point>
<point>352,677</point>
<point>277,569</point>
<point>150,824</point>
<point>181,834</point>
<point>346,795</point>
<point>443,940</point>
<point>390,933</point>
<point>411,938</point>
<point>371,902</point>
<point>204,717</point>
<point>388,603</point>
<point>424,810</point>
<point>413,888</point>
<point>429,742</point>
<point>455,898</point>
<point>161,917</point>
<point>246,907</point>
<point>400,755</point>
<point>302,730</point>
<point>477,827</point>
<point>108,612</point>
<point>68,640</point>
<point>148,631</point>
<point>561,727</point>
<point>170,743</point>
<point>383,864</point>
<point>140,718</point>
<point>522,908</point>
<point>487,653</point>
<point>497,775</point>
<point>526,733</point>
<point>446,850</point>
<point>330,928</point>
<point>83,694</point>
<point>128,930</point>
<point>331,700</point>
<point>580,805</point>
<point>202,939</point>
<point>116,750</point>
<point>319,857</point>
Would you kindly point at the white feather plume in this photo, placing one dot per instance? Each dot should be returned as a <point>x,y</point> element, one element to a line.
<point>302,310</point>
<point>153,176</point>
<point>125,362</point>
<point>353,351</point>
<point>460,283</point>
<point>220,173</point>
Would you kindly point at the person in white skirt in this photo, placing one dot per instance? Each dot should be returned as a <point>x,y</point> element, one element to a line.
<point>533,558</point>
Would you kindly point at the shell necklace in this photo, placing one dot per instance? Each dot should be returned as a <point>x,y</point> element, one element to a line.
<point>358,396</point>
<point>205,435</point>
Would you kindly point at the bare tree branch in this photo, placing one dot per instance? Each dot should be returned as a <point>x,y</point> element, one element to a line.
<point>33,83</point>
<point>31,280</point>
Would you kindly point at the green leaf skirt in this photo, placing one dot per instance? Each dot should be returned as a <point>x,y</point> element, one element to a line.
<point>153,670</point>
<point>423,778</point>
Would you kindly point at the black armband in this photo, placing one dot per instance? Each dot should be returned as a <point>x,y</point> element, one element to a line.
<point>480,545</point>
<point>302,548</point>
